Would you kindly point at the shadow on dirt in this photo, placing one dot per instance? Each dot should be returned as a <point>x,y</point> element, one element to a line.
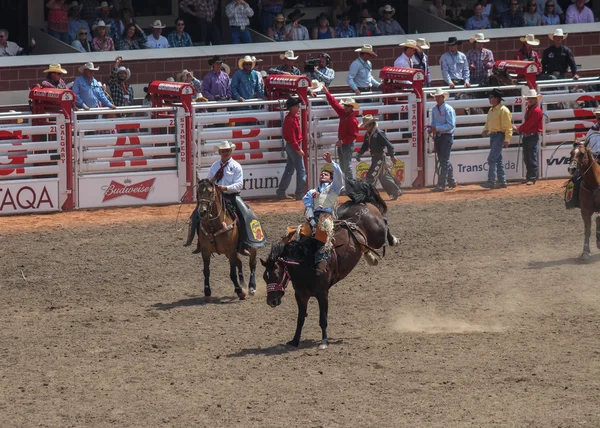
<point>568,261</point>
<point>194,301</point>
<point>283,348</point>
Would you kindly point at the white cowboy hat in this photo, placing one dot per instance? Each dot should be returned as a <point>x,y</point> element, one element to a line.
<point>366,49</point>
<point>479,38</point>
<point>55,68</point>
<point>247,58</point>
<point>104,5</point>
<point>386,8</point>
<point>158,24</point>
<point>183,73</point>
<point>367,119</point>
<point>439,92</point>
<point>170,79</point>
<point>410,44</point>
<point>316,86</point>
<point>350,102</point>
<point>597,111</point>
<point>225,145</point>
<point>423,44</point>
<point>532,93</point>
<point>88,66</point>
<point>225,68</point>
<point>530,40</point>
<point>100,24</point>
<point>126,70</point>
<point>557,33</point>
<point>288,55</point>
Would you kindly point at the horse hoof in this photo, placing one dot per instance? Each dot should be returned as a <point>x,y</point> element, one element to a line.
<point>395,242</point>
<point>252,291</point>
<point>241,295</point>
<point>322,346</point>
<point>293,343</point>
<point>208,299</point>
<point>584,257</point>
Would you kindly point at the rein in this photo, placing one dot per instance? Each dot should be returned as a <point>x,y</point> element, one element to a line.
<point>285,278</point>
<point>223,226</point>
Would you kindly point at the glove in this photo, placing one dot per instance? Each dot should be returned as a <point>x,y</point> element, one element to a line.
<point>217,97</point>
<point>312,223</point>
<point>357,157</point>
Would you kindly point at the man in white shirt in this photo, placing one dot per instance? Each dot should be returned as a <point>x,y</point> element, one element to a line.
<point>405,60</point>
<point>155,40</point>
<point>11,48</point>
<point>579,13</point>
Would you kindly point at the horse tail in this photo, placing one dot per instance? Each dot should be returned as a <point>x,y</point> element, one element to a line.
<point>361,192</point>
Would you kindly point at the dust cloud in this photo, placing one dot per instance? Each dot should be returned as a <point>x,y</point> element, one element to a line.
<point>434,324</point>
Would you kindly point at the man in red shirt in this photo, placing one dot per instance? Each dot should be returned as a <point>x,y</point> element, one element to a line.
<point>292,134</point>
<point>347,130</point>
<point>526,53</point>
<point>530,130</point>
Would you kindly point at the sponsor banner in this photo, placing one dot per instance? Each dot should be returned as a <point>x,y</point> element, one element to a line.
<point>128,189</point>
<point>554,164</point>
<point>400,170</point>
<point>26,196</point>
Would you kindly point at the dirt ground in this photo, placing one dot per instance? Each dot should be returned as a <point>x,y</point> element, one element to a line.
<point>482,318</point>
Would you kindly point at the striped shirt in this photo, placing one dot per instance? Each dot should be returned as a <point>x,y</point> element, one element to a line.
<point>483,61</point>
<point>175,41</point>
<point>239,15</point>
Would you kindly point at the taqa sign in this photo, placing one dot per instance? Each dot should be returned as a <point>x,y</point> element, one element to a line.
<point>15,198</point>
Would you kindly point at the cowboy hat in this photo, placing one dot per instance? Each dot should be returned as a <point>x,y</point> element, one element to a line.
<point>88,66</point>
<point>497,93</point>
<point>225,145</point>
<point>214,59</point>
<point>410,44</point>
<point>367,119</point>
<point>158,24</point>
<point>104,5</point>
<point>422,43</point>
<point>170,79</point>
<point>479,38</point>
<point>532,93</point>
<point>292,101</point>
<point>439,92</point>
<point>287,55</point>
<point>100,24</point>
<point>597,111</point>
<point>279,17</point>
<point>557,33</point>
<point>327,168</point>
<point>343,16</point>
<point>387,9</point>
<point>247,58</point>
<point>316,86</point>
<point>296,12</point>
<point>366,49</point>
<point>225,68</point>
<point>74,4</point>
<point>350,102</point>
<point>530,40</point>
<point>55,68</point>
<point>452,41</point>
<point>184,73</point>
<point>256,59</point>
<point>200,98</point>
<point>126,70</point>
<point>19,121</point>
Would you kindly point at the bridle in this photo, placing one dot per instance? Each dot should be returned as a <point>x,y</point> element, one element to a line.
<point>285,278</point>
<point>209,203</point>
<point>576,164</point>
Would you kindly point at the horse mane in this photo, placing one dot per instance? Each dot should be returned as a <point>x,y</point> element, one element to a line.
<point>275,253</point>
<point>361,192</point>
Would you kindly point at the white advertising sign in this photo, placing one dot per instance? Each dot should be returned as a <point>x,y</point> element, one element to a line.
<point>26,196</point>
<point>554,165</point>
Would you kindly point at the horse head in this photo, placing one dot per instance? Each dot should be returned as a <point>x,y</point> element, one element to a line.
<point>276,275</point>
<point>501,78</point>
<point>205,195</point>
<point>580,158</point>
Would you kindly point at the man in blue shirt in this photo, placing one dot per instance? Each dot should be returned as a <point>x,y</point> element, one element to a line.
<point>88,90</point>
<point>443,123</point>
<point>513,17</point>
<point>75,23</point>
<point>360,76</point>
<point>454,65</point>
<point>245,83</point>
<point>478,21</point>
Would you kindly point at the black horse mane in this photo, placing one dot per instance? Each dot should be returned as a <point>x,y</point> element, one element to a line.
<point>275,253</point>
<point>361,192</point>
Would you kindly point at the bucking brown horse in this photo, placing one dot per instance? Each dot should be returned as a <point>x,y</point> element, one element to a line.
<point>585,166</point>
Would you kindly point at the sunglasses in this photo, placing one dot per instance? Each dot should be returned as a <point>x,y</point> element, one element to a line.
<point>181,25</point>
<point>550,6</point>
<point>224,150</point>
<point>83,34</point>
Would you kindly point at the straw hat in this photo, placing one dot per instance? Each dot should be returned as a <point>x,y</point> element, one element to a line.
<point>366,49</point>
<point>184,73</point>
<point>597,111</point>
<point>88,66</point>
<point>439,92</point>
<point>316,86</point>
<point>530,40</point>
<point>126,70</point>
<point>288,55</point>
<point>387,8</point>
<point>479,38</point>
<point>55,68</point>
<point>247,58</point>
<point>100,24</point>
<point>200,98</point>
<point>557,33</point>
<point>158,24</point>
<point>104,5</point>
<point>532,93</point>
<point>279,17</point>
<point>367,119</point>
<point>350,102</point>
<point>422,43</point>
<point>225,145</point>
<point>327,168</point>
<point>410,44</point>
<point>225,68</point>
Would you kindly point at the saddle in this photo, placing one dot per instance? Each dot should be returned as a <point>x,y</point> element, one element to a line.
<point>250,228</point>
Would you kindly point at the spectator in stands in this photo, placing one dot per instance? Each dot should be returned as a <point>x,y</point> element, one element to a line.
<point>438,8</point>
<point>579,13</point>
<point>53,77</point>
<point>295,30</point>
<point>367,26</point>
<point>245,83</point>
<point>156,40</point>
<point>344,30</point>
<point>75,22</point>
<point>87,89</point>
<point>101,42</point>
<point>593,136</point>
<point>323,73</point>
<point>487,9</point>
<point>405,60</point>
<point>187,76</point>
<point>323,30</point>
<point>239,14</point>
<point>288,66</point>
<point>526,53</point>
<point>338,10</point>
<point>360,75</point>
<point>58,20</point>
<point>481,60</point>
<point>124,20</point>
<point>443,124</point>
<point>498,9</point>
<point>455,13</point>
<point>216,84</point>
<point>204,11</point>
<point>532,17</point>
<point>120,90</point>
<point>179,38</point>
<point>112,27</point>
<point>421,60</point>
<point>133,38</point>
<point>347,130</point>
<point>388,25</point>
<point>292,136</point>
<point>454,65</point>
<point>558,58</point>
<point>550,15</point>
<point>270,10</point>
<point>477,21</point>
<point>88,9</point>
<point>355,9</point>
<point>11,48</point>
<point>81,42</point>
<point>530,130</point>
<point>513,17</point>
<point>499,127</point>
<point>276,31</point>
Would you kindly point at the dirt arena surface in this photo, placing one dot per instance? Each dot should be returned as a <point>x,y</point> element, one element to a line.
<point>482,318</point>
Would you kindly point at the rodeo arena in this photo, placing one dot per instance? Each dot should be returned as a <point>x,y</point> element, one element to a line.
<point>172,222</point>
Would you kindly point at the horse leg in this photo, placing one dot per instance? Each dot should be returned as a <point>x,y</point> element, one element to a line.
<point>587,223</point>
<point>323,300</point>
<point>207,292</point>
<point>252,283</point>
<point>302,302</point>
<point>233,264</point>
<point>598,232</point>
<point>240,270</point>
<point>392,240</point>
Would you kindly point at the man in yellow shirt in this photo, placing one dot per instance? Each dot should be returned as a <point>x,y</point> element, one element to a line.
<point>499,127</point>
